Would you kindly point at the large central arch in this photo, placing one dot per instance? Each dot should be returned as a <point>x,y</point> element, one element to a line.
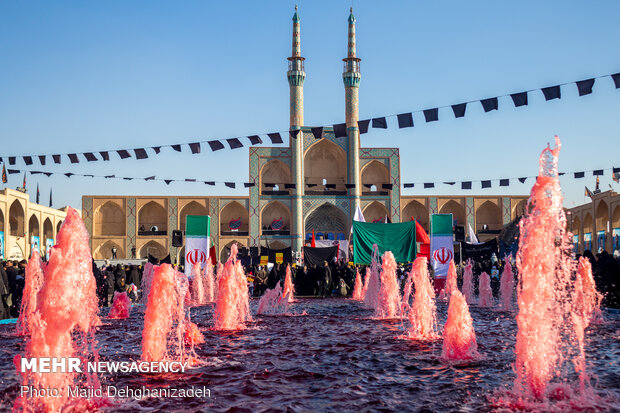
<point>325,161</point>
<point>327,218</point>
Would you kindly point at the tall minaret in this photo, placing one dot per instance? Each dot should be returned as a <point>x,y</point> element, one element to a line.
<point>296,76</point>
<point>351,78</point>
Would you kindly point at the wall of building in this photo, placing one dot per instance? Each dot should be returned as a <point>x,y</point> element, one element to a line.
<point>596,225</point>
<point>21,219</point>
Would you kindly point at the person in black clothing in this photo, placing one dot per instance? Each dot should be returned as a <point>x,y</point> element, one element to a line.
<point>134,276</point>
<point>273,278</point>
<point>102,292</point>
<point>327,279</point>
<point>4,294</point>
<point>110,284</point>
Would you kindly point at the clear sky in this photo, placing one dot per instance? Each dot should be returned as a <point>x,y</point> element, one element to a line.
<point>80,76</point>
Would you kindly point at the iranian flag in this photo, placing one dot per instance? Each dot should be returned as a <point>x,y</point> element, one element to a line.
<point>197,231</point>
<point>442,249</point>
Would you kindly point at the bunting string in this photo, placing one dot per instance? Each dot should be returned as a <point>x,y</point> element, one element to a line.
<point>404,120</point>
<point>464,184</point>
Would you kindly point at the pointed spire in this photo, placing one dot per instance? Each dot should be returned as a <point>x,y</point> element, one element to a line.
<point>296,35</point>
<point>351,52</point>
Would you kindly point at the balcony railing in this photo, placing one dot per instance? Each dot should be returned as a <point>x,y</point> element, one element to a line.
<point>234,233</point>
<point>276,232</point>
<point>152,233</point>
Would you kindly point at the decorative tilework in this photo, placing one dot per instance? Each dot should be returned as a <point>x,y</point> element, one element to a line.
<point>131,224</point>
<point>432,205</point>
<point>87,217</point>
<point>505,210</point>
<point>310,204</point>
<point>328,134</point>
<point>173,214</point>
<point>470,214</point>
<point>243,201</point>
<point>392,157</point>
<point>214,212</point>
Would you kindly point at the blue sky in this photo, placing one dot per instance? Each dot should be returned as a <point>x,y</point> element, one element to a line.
<point>80,76</point>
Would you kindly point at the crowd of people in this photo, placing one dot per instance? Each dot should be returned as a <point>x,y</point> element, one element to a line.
<point>326,280</point>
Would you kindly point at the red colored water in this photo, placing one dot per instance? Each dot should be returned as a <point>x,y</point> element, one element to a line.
<point>485,293</point>
<point>423,313</point>
<point>587,299</point>
<point>450,283</point>
<point>389,293</point>
<point>404,306</point>
<point>147,280</point>
<point>209,282</point>
<point>121,306</point>
<point>371,297</point>
<point>164,316</point>
<point>33,283</point>
<point>357,289</point>
<point>66,308</point>
<point>193,335</point>
<point>551,320</point>
<point>197,286</point>
<point>232,308</point>
<point>273,302</point>
<point>459,337</point>
<point>468,282</point>
<point>507,287</point>
<point>289,288</point>
<point>366,284</point>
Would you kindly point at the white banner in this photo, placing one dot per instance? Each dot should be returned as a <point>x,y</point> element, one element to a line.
<point>196,253</point>
<point>442,252</point>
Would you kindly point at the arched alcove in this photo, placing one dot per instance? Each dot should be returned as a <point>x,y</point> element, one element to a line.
<point>456,209</point>
<point>616,217</point>
<point>587,223</point>
<point>234,219</point>
<point>225,251</point>
<point>275,172</point>
<point>193,208</point>
<point>48,230</point>
<point>104,251</point>
<point>58,226</point>
<point>374,175</point>
<point>16,219</point>
<point>275,218</point>
<point>277,245</point>
<point>327,218</point>
<point>576,226</point>
<point>153,216</point>
<point>490,215</point>
<point>33,227</point>
<point>153,248</point>
<point>519,209</point>
<point>1,221</point>
<point>602,216</point>
<point>375,212</point>
<point>415,209</point>
<point>109,220</point>
<point>325,160</point>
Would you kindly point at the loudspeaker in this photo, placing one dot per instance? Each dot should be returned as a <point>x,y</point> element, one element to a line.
<point>459,233</point>
<point>177,238</point>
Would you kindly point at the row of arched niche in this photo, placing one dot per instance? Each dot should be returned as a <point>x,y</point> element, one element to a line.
<point>587,224</point>
<point>17,223</point>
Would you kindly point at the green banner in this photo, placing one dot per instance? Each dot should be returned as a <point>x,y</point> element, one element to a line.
<point>197,226</point>
<point>441,224</point>
<point>398,238</point>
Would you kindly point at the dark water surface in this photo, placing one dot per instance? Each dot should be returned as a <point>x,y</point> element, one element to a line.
<point>336,358</point>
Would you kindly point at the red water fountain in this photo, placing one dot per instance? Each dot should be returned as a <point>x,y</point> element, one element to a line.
<point>405,306</point>
<point>468,282</point>
<point>197,286</point>
<point>366,284</point>
<point>289,287</point>
<point>65,318</point>
<point>371,296</point>
<point>506,287</point>
<point>121,306</point>
<point>389,293</point>
<point>357,289</point>
<point>459,337</point>
<point>485,293</point>
<point>451,284</point>
<point>423,313</point>
<point>147,280</point>
<point>232,308</point>
<point>209,282</point>
<point>33,283</point>
<point>587,298</point>
<point>551,320</point>
<point>273,302</point>
<point>164,317</point>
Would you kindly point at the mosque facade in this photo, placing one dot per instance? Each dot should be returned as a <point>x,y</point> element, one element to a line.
<point>314,184</point>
